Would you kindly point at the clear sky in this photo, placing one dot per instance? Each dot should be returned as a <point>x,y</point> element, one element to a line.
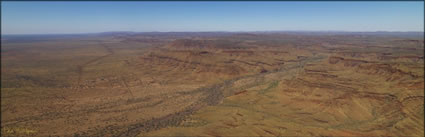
<point>82,17</point>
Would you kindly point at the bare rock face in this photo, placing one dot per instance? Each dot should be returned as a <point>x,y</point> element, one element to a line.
<point>334,60</point>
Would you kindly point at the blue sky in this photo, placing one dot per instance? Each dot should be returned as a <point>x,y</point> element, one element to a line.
<point>83,17</point>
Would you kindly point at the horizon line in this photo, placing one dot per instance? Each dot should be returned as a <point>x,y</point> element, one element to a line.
<point>81,33</point>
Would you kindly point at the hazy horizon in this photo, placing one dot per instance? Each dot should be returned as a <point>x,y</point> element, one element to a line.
<point>98,17</point>
<point>267,31</point>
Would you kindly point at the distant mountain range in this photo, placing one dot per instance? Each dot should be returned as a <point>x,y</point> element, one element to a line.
<point>7,37</point>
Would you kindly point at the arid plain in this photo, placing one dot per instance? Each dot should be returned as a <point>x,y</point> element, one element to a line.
<point>213,84</point>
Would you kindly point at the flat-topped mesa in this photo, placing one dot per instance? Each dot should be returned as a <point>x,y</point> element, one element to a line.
<point>187,44</point>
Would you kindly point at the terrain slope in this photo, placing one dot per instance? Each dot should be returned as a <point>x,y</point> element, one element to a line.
<point>241,84</point>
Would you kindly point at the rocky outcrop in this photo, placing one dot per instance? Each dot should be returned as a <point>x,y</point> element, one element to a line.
<point>404,58</point>
<point>386,70</point>
<point>346,62</point>
<point>373,68</point>
<point>188,44</point>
